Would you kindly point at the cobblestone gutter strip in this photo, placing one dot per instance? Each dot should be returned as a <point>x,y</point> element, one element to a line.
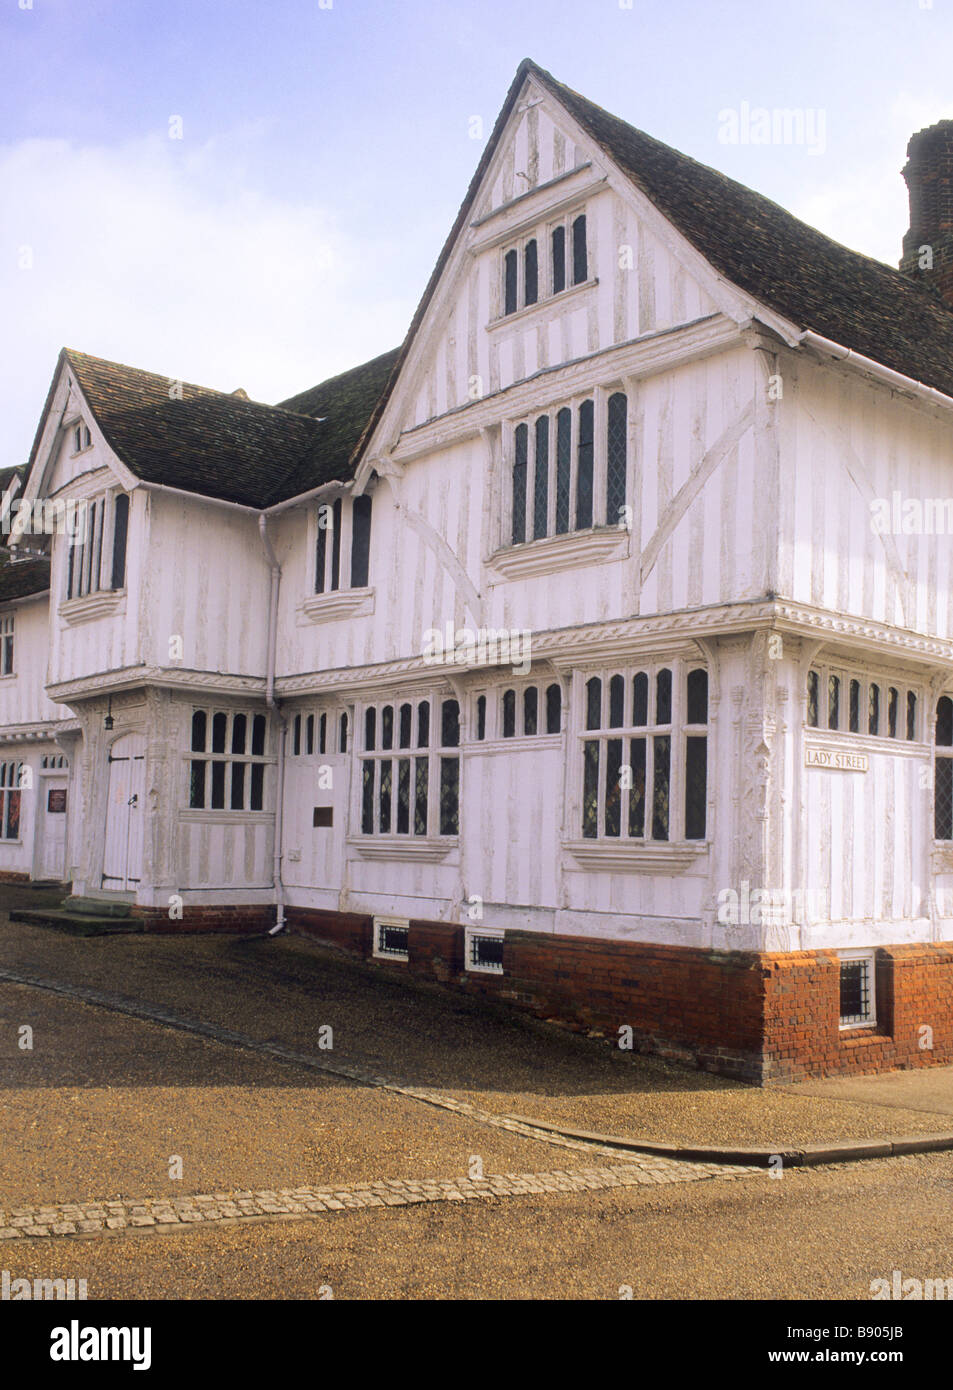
<point>165,1214</point>
<point>135,1008</point>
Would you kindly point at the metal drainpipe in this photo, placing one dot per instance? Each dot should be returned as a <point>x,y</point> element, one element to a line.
<point>282,725</point>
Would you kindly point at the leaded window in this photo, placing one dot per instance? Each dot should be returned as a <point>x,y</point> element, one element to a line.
<point>230,774</point>
<point>10,776</point>
<point>342,529</point>
<point>838,700</point>
<point>645,755</point>
<point>410,784</point>
<point>561,481</point>
<point>943,770</point>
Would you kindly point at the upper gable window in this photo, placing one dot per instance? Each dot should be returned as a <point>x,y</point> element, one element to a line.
<point>561,481</point>
<point>81,438</point>
<point>344,528</point>
<point>525,276</point>
<point>96,554</point>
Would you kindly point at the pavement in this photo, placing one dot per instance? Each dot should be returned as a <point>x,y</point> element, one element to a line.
<point>212,1117</point>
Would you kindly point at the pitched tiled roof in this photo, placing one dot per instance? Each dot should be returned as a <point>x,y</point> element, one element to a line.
<point>344,403</point>
<point>223,445</point>
<point>791,268</point>
<point>18,578</point>
<point>798,272</point>
<point>208,441</point>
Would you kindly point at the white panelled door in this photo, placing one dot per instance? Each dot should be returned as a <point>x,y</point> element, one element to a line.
<point>51,856</point>
<point>122,862</point>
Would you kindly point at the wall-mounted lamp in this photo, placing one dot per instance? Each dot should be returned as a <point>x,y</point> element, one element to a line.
<point>109,721</point>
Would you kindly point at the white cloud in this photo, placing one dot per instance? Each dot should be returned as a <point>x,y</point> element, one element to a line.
<point>162,255</point>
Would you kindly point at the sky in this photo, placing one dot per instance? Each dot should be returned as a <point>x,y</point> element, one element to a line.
<point>254,192</point>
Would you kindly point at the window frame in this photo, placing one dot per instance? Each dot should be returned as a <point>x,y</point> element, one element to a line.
<point>207,757</point>
<point>337,552</point>
<point>7,644</point>
<point>600,396</point>
<point>678,731</point>
<point>484,933</point>
<point>102,506</point>
<point>868,681</point>
<point>434,750</point>
<point>868,956</point>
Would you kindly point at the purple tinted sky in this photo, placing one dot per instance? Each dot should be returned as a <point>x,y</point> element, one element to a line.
<point>289,234</point>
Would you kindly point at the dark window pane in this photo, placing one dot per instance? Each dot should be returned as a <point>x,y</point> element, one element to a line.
<point>873,710</point>
<point>663,697</point>
<point>323,734</point>
<point>554,709</point>
<point>198,731</point>
<point>584,457</point>
<point>239,732</point>
<point>197,785</point>
<point>510,272</point>
<point>640,700</point>
<point>370,728</point>
<point>423,724</point>
<point>613,791</point>
<point>321,551</point>
<point>421,774</point>
<point>580,260</point>
<point>257,786</point>
<point>530,710</point>
<point>911,715</point>
<point>219,722</point>
<point>541,478</point>
<point>697,701</point>
<point>893,706</point>
<point>309,735</point>
<point>258,735</point>
<point>367,797</point>
<point>615,458</point>
<point>563,468</point>
<point>593,703</point>
<point>387,726</point>
<point>120,531</point>
<point>406,721</point>
<point>531,273</point>
<point>616,702</point>
<point>944,722</point>
<point>853,707</point>
<point>343,734</point>
<point>449,724</point>
<point>559,259</point>
<point>833,702</point>
<point>403,796</point>
<point>296,736</point>
<point>590,790</point>
<point>854,991</point>
<point>360,541</point>
<point>637,792</point>
<point>481,717</point>
<point>509,713</point>
<point>696,787</point>
<point>238,786</point>
<point>943,799</point>
<point>218,786</point>
<point>387,773</point>
<point>521,449</point>
<point>449,796</point>
<point>336,545</point>
<point>662,751</point>
<point>813,698</point>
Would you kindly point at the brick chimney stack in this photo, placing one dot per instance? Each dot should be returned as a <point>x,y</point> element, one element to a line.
<point>928,245</point>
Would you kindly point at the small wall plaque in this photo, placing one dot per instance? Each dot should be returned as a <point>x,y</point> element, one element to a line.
<point>323,815</point>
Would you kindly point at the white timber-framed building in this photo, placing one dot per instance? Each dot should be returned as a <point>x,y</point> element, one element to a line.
<point>594,649</point>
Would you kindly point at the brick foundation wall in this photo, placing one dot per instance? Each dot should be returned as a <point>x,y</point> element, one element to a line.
<point>755,1016</point>
<point>802,1037</point>
<point>238,920</point>
<point>12,876</point>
